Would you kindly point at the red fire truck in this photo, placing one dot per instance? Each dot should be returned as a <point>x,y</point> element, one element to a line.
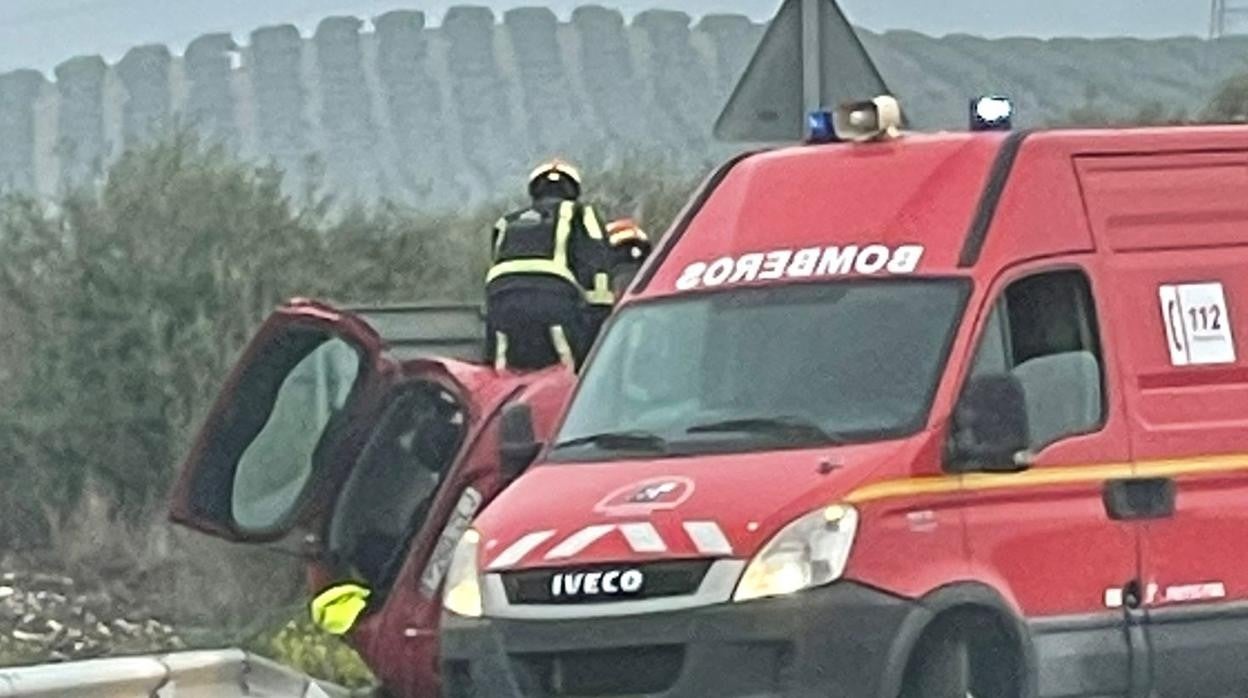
<point>929,415</point>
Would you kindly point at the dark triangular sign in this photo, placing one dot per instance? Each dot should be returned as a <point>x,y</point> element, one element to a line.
<point>810,56</point>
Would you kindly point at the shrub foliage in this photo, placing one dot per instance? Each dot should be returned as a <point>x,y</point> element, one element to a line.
<point>123,307</point>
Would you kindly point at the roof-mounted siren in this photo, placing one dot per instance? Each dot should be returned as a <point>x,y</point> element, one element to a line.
<point>809,68</point>
<point>992,113</point>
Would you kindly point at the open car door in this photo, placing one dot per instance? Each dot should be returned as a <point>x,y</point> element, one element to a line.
<point>294,413</point>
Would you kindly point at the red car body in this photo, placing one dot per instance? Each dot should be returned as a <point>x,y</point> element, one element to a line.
<point>398,635</point>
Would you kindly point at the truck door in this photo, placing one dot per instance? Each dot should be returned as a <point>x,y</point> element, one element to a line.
<point>1044,532</point>
<point>1177,251</point>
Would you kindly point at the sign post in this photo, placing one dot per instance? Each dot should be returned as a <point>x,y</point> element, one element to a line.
<point>812,72</point>
<point>810,58</point>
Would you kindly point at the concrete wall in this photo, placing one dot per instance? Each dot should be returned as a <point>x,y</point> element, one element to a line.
<point>445,116</point>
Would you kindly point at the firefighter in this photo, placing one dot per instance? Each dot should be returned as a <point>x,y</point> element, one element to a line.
<point>630,246</point>
<point>550,271</point>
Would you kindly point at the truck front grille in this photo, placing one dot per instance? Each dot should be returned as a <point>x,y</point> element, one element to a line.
<point>659,580</point>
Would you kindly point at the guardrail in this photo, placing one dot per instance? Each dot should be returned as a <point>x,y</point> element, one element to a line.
<point>214,674</point>
<point>428,329</point>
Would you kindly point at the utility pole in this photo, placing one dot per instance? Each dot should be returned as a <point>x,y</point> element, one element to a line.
<point>1224,15</point>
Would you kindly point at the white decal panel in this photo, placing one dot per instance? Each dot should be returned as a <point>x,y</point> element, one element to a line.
<point>708,538</point>
<point>641,537</point>
<point>1154,595</point>
<point>576,543</point>
<point>810,262</point>
<point>1187,593</point>
<point>1198,324</point>
<point>520,549</point>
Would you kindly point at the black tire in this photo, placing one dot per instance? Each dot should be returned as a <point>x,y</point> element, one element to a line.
<point>966,656</point>
<point>941,668</point>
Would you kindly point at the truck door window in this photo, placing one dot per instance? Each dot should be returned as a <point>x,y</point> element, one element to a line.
<point>1043,331</point>
<point>277,465</point>
<point>387,497</point>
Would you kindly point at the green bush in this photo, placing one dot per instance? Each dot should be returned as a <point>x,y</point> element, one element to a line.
<point>300,645</point>
<point>124,306</point>
<point>1230,104</point>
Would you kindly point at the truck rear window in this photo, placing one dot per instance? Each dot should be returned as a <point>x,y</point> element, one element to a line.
<point>763,368</point>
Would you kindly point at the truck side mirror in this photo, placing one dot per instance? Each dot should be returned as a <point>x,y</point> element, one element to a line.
<point>990,430</point>
<point>518,447</point>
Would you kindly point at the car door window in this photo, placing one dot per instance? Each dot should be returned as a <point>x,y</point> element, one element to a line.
<point>277,465</point>
<point>387,498</point>
<point>1043,332</point>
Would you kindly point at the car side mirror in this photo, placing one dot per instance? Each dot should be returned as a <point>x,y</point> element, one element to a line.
<point>990,430</point>
<point>518,447</point>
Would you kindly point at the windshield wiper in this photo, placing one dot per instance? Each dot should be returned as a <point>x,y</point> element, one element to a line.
<point>783,426</point>
<point>619,441</point>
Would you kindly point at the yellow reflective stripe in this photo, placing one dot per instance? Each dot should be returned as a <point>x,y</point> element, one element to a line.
<point>592,226</point>
<point>557,266</point>
<point>1209,465</point>
<point>601,293</point>
<point>563,232</point>
<point>1047,477</point>
<point>500,351</point>
<point>532,266</point>
<point>910,487</point>
<point>1044,477</point>
<point>562,347</point>
<point>631,234</point>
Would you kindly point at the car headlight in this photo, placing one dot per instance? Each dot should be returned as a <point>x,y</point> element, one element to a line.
<point>462,594</point>
<point>810,552</point>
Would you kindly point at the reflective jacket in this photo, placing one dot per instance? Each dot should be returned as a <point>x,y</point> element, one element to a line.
<point>553,238</point>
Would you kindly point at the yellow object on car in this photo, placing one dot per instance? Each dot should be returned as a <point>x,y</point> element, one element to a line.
<point>336,609</point>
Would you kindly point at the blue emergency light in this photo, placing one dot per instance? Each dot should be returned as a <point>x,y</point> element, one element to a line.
<point>821,127</point>
<point>992,113</point>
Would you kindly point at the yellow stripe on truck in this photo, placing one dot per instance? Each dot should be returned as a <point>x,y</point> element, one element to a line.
<point>1194,466</point>
<point>1046,477</point>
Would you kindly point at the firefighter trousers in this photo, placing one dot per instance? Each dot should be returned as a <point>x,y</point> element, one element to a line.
<point>529,329</point>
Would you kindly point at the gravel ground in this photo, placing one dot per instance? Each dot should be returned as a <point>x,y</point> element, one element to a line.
<point>50,618</point>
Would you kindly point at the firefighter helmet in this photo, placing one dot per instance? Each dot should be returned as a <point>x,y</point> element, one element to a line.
<point>625,235</point>
<point>555,172</point>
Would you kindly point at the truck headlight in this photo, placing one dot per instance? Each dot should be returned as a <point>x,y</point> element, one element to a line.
<point>463,584</point>
<point>810,552</point>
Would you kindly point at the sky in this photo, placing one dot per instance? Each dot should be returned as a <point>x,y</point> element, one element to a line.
<point>41,33</point>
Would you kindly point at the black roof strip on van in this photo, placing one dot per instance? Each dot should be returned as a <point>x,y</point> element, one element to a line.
<point>691,212</point>
<point>997,179</point>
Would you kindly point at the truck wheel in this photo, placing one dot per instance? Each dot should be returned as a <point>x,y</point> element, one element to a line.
<point>966,656</point>
<point>941,668</point>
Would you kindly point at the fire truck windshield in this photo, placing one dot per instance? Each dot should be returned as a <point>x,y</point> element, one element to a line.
<point>763,368</point>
